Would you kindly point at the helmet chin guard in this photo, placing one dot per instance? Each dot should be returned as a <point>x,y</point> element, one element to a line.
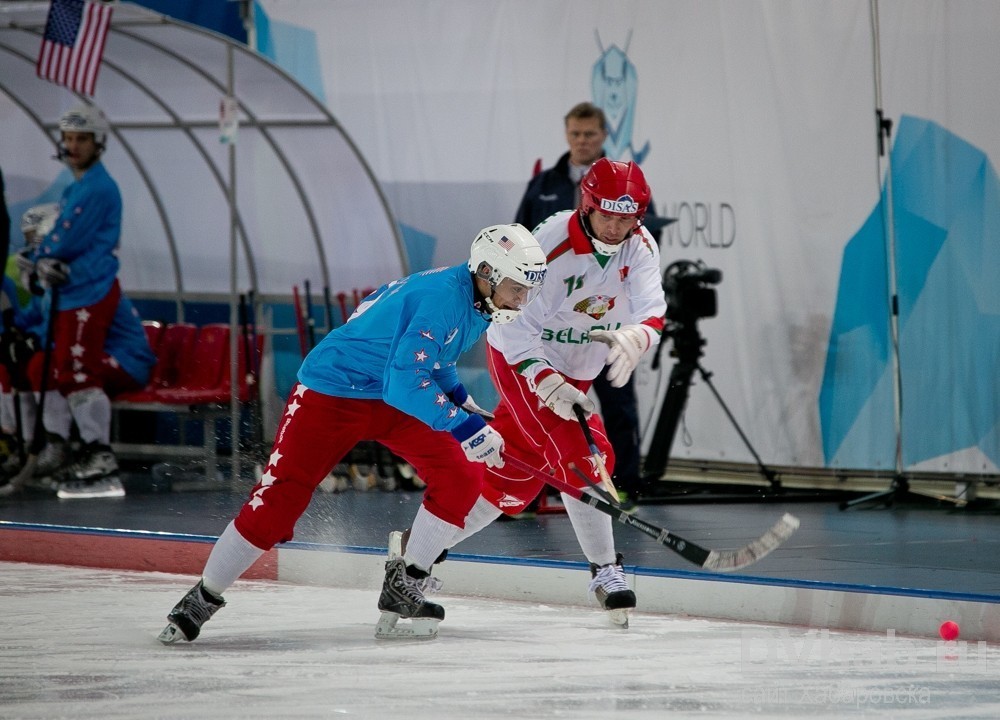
<point>508,256</point>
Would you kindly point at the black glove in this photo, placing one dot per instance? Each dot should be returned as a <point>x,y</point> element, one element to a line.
<point>52,272</point>
<point>17,347</point>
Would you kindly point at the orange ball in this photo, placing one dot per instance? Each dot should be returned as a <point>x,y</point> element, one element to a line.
<point>948,630</point>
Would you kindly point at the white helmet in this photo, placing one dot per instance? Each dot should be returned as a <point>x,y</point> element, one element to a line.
<point>39,220</point>
<point>86,119</point>
<point>507,252</point>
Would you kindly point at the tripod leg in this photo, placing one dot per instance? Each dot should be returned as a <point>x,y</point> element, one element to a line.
<point>670,415</point>
<point>769,474</point>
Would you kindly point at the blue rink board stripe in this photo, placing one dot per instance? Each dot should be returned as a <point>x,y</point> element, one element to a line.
<point>535,562</point>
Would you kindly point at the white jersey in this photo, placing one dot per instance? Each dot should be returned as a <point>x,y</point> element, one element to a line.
<point>583,291</point>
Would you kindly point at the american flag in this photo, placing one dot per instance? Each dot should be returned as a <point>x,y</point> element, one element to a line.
<point>73,44</point>
<point>506,243</point>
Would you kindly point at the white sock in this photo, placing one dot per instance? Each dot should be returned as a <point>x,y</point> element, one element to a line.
<point>593,531</point>
<point>91,408</point>
<point>56,416</point>
<point>429,535</point>
<point>231,557</point>
<point>8,422</point>
<point>482,514</point>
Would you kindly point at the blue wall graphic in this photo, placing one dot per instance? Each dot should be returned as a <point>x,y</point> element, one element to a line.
<point>947,228</point>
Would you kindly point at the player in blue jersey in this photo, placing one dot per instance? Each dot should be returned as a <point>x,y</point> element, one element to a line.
<point>389,375</point>
<point>79,256</point>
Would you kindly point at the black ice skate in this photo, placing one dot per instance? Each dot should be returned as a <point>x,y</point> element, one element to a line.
<point>397,548</point>
<point>612,590</point>
<point>187,617</point>
<point>402,598</point>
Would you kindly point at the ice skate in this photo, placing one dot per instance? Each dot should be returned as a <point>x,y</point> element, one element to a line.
<point>402,598</point>
<point>194,610</point>
<point>612,591</point>
<point>397,548</point>
<point>94,475</point>
<point>54,457</point>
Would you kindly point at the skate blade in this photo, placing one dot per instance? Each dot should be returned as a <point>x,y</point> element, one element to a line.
<point>171,634</point>
<point>418,628</point>
<point>619,617</point>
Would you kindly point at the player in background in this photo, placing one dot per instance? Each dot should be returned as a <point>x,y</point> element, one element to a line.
<point>80,257</point>
<point>601,304</point>
<point>125,364</point>
<point>389,375</point>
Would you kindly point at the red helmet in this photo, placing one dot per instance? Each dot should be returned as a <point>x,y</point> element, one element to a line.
<point>614,188</point>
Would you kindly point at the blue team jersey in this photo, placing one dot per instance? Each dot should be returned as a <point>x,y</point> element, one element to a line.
<point>402,345</point>
<point>86,236</point>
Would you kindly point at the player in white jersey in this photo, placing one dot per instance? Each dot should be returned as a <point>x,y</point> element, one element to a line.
<point>602,303</point>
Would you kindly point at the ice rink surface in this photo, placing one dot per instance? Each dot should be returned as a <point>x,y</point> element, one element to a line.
<point>81,643</point>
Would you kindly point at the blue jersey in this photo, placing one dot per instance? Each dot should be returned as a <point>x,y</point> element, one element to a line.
<point>86,236</point>
<point>402,345</point>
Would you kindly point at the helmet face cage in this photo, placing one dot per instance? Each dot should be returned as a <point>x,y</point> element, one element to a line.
<point>614,188</point>
<point>507,252</point>
<point>86,119</point>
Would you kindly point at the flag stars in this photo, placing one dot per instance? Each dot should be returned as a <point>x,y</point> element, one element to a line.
<point>82,315</point>
<point>300,390</point>
<point>76,350</point>
<point>440,399</point>
<point>419,356</point>
<point>293,406</point>
<point>255,502</point>
<point>275,457</point>
<point>268,478</point>
<point>427,334</point>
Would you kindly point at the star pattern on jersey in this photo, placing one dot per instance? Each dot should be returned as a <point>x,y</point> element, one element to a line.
<point>427,334</point>
<point>76,350</point>
<point>453,412</point>
<point>300,390</point>
<point>268,478</point>
<point>419,356</point>
<point>293,406</point>
<point>424,384</point>
<point>440,399</point>
<point>80,378</point>
<point>82,315</point>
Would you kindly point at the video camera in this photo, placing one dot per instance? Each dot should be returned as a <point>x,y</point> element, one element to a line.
<point>687,286</point>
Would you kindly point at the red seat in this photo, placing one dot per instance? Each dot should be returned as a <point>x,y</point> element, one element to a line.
<point>205,373</point>
<point>154,331</point>
<point>173,350</point>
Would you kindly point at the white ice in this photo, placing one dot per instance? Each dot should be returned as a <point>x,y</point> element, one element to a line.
<point>81,643</point>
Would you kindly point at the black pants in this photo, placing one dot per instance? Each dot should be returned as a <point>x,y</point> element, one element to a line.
<point>620,411</point>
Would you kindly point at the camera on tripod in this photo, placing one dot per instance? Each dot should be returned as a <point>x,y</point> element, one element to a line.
<point>689,292</point>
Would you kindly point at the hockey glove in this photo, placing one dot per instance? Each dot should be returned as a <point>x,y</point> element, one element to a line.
<point>52,272</point>
<point>460,396</point>
<point>16,347</point>
<point>480,442</point>
<point>627,345</point>
<point>560,396</point>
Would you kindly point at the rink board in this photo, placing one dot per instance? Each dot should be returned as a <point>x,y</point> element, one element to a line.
<point>820,605</point>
